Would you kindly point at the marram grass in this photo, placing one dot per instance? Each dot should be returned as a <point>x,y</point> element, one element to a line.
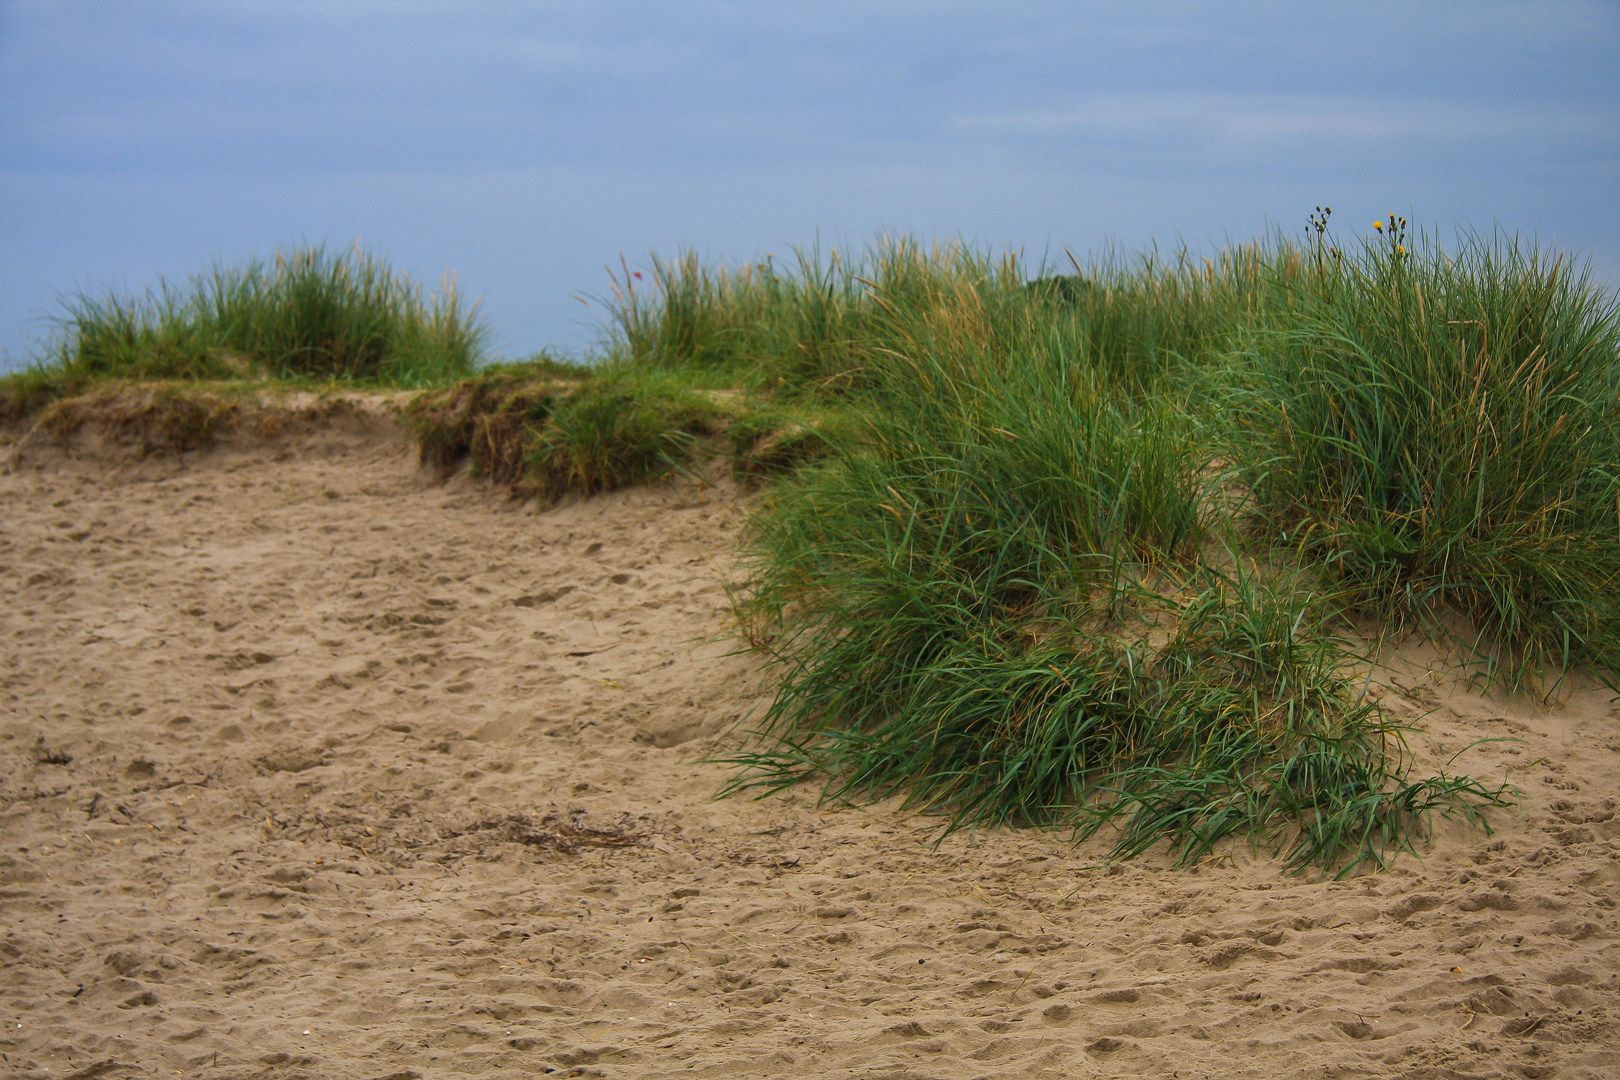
<point>1436,431</point>
<point>307,315</point>
<point>1002,601</point>
<point>1069,546</point>
<point>1441,434</point>
<point>1235,720</point>
<point>999,596</point>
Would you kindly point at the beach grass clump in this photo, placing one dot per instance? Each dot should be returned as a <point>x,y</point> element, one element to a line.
<point>1441,434</point>
<point>997,598</point>
<point>1218,711</point>
<point>308,315</point>
<point>812,326</point>
<point>1248,723</point>
<point>1010,555</point>
<point>762,324</point>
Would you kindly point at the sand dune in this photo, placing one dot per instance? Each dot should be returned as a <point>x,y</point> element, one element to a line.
<point>313,767</point>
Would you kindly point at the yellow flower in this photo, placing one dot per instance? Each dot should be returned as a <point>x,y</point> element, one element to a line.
<point>1379,225</point>
<point>1400,249</point>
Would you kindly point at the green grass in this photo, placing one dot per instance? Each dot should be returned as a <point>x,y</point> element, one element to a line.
<point>618,430</point>
<point>1073,546</point>
<point>1215,713</point>
<point>308,316</point>
<point>768,441</point>
<point>1009,590</point>
<point>1078,549</point>
<point>819,326</point>
<point>1442,435</point>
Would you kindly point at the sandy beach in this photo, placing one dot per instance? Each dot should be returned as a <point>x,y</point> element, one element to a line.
<point>315,766</point>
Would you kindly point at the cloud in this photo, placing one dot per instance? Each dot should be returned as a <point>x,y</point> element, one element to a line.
<point>1264,119</point>
<point>524,142</point>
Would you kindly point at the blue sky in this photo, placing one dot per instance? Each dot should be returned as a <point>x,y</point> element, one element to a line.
<point>525,146</point>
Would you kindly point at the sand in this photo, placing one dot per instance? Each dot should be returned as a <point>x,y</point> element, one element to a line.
<point>315,767</point>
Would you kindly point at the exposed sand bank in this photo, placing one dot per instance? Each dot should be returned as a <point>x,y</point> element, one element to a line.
<point>312,767</point>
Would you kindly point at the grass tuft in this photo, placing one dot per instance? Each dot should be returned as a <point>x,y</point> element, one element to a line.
<point>1442,435</point>
<point>307,316</point>
<point>616,431</point>
<point>1230,719</point>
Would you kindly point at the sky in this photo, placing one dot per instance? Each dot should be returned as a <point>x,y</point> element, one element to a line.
<point>528,146</point>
